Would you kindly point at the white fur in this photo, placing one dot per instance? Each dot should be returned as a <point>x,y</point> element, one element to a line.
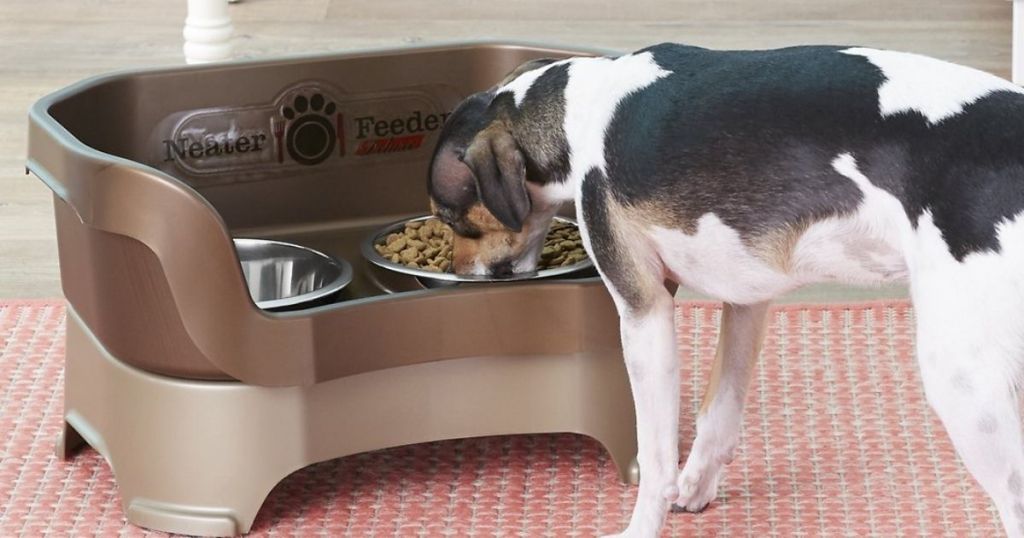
<point>554,192</point>
<point>714,261</point>
<point>935,88</point>
<point>648,344</point>
<point>521,84</point>
<point>970,340</point>
<point>595,88</point>
<point>983,296</point>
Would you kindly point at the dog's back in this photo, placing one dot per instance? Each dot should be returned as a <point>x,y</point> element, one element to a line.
<point>752,136</point>
<point>788,150</point>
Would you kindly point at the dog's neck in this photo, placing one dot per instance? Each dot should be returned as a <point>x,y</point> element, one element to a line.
<point>534,105</point>
<point>560,121</point>
<point>552,193</point>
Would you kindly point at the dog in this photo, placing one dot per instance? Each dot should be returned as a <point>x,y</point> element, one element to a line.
<point>744,175</point>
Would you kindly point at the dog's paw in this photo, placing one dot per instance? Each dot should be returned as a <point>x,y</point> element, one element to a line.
<point>698,485</point>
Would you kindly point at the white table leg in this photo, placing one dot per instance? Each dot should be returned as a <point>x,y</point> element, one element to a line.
<point>208,31</point>
<point>1017,52</point>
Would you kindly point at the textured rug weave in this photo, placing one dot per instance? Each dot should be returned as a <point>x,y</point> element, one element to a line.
<point>837,441</point>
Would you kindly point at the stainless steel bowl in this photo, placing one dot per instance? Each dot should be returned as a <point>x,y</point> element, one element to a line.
<point>431,279</point>
<point>284,275</point>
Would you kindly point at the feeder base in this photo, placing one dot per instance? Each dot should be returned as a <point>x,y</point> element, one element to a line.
<point>200,457</point>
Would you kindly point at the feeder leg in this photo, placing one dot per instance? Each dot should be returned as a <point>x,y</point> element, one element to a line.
<point>189,457</point>
<point>207,31</point>
<point>68,442</point>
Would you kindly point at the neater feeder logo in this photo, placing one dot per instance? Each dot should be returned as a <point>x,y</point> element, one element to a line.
<point>399,134</point>
<point>309,130</point>
<point>225,144</point>
<point>310,124</point>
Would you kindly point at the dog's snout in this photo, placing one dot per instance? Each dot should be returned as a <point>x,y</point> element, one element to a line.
<point>502,269</point>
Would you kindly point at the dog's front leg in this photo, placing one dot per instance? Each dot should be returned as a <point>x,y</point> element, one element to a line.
<point>648,342</point>
<point>718,424</point>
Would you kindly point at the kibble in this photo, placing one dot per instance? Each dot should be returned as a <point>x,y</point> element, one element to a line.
<point>427,244</point>
<point>562,246</point>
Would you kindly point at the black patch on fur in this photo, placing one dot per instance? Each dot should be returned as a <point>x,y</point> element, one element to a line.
<point>500,171</point>
<point>751,136</point>
<point>744,135</point>
<point>612,259</point>
<point>538,126</point>
<point>968,171</point>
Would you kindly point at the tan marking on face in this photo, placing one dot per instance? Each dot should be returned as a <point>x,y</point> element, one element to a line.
<point>496,242</point>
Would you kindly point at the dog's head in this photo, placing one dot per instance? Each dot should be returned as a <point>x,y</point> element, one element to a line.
<point>487,179</point>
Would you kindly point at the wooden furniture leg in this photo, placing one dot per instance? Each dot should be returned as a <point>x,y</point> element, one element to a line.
<point>1017,53</point>
<point>207,31</point>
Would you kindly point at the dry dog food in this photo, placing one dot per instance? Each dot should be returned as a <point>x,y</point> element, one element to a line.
<point>427,244</point>
<point>424,244</point>
<point>562,246</point>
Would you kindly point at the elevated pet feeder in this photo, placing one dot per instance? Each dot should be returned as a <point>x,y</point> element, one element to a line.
<point>201,401</point>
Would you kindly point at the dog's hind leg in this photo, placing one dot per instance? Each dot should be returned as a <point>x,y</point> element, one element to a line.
<point>718,424</point>
<point>970,343</point>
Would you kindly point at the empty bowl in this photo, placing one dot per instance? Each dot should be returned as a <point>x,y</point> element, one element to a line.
<point>286,276</point>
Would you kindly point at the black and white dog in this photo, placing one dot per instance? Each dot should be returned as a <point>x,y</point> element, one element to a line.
<point>744,175</point>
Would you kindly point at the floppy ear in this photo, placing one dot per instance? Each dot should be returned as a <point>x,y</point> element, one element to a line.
<point>500,172</point>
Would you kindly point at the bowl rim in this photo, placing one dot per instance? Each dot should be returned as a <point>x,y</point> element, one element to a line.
<point>375,258</point>
<point>343,279</point>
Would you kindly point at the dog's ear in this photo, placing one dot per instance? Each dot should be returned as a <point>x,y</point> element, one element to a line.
<point>500,172</point>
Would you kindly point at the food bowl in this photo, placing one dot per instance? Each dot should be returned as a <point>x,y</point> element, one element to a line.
<point>286,276</point>
<point>431,279</point>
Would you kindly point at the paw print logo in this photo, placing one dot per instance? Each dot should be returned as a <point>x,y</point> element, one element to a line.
<point>310,137</point>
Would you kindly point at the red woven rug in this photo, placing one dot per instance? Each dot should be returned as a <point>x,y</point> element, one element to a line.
<point>838,441</point>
